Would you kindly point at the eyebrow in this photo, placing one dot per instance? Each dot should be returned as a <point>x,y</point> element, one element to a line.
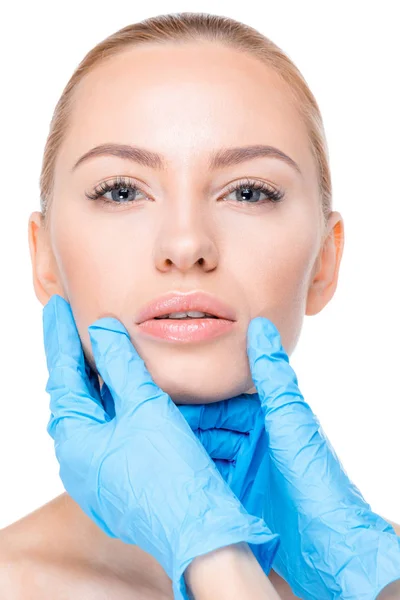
<point>224,157</point>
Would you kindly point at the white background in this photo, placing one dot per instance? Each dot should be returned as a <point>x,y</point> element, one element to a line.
<point>347,359</point>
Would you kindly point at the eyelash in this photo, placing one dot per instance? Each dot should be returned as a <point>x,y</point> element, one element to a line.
<point>274,195</point>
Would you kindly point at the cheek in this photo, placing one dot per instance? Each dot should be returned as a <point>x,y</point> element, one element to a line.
<point>99,266</point>
<point>99,273</point>
<point>277,286</point>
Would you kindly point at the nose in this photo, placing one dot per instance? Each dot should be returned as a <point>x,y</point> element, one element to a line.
<point>185,242</point>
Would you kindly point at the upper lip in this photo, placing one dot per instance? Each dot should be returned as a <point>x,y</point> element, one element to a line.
<point>183,302</point>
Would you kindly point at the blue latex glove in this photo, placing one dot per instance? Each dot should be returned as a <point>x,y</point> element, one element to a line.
<point>232,431</point>
<point>142,476</point>
<point>332,545</point>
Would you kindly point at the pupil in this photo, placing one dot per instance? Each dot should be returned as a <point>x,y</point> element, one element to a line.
<point>247,192</point>
<point>121,193</point>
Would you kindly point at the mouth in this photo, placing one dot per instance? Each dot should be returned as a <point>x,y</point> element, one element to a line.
<point>193,317</point>
<point>186,329</point>
<point>180,316</point>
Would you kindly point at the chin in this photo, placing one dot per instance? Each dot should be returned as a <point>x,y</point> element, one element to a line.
<point>193,383</point>
<point>190,394</point>
<point>198,376</point>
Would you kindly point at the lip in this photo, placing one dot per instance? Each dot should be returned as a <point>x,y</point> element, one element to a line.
<point>186,301</point>
<point>179,330</point>
<point>191,330</point>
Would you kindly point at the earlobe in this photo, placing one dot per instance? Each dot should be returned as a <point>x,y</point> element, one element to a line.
<point>44,270</point>
<point>325,277</point>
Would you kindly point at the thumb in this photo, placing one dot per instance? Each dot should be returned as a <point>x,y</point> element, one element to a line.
<point>289,420</point>
<point>120,366</point>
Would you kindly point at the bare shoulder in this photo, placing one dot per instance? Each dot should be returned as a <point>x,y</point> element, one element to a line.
<point>26,577</point>
<point>38,576</point>
<point>12,579</point>
<point>30,577</point>
<point>23,568</point>
<point>50,554</point>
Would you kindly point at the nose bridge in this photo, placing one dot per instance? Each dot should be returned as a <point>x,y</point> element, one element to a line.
<point>186,235</point>
<point>185,200</point>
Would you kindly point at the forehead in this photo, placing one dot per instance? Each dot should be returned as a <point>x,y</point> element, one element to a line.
<point>183,100</point>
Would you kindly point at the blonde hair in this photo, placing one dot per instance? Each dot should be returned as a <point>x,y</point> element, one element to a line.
<point>188,27</point>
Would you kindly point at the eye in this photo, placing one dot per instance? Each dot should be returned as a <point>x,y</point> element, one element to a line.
<point>123,191</point>
<point>248,191</point>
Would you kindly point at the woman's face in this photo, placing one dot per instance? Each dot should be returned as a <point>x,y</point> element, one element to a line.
<point>183,230</point>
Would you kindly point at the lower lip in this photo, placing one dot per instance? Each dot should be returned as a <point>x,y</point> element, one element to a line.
<point>190,330</point>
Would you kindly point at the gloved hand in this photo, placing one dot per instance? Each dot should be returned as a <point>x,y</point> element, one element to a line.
<point>142,476</point>
<point>332,545</point>
<point>230,430</point>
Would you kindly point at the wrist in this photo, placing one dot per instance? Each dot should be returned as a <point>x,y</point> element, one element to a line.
<point>231,572</point>
<point>227,556</point>
<point>390,592</point>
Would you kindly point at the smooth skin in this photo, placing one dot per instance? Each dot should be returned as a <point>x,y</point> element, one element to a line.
<point>184,102</point>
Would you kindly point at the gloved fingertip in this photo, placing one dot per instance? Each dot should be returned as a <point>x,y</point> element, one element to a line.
<point>261,326</point>
<point>108,324</point>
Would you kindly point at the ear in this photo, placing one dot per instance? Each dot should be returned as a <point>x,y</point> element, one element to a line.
<point>46,279</point>
<point>326,270</point>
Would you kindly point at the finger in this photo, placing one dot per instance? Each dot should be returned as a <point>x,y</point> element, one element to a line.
<point>121,367</point>
<point>303,461</point>
<point>235,414</point>
<point>288,418</point>
<point>71,404</point>
<point>221,443</point>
